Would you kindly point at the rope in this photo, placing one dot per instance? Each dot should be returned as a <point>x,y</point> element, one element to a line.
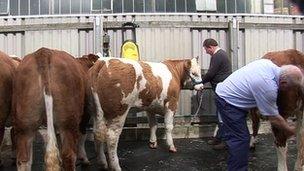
<point>200,101</point>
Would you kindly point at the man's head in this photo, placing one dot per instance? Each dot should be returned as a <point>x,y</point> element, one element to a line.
<point>290,95</point>
<point>291,76</point>
<point>210,45</point>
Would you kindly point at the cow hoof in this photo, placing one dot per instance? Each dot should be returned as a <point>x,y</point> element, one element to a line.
<point>172,150</point>
<point>85,162</point>
<point>102,165</point>
<point>153,145</point>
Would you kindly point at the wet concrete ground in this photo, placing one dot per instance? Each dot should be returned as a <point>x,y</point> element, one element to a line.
<point>192,155</point>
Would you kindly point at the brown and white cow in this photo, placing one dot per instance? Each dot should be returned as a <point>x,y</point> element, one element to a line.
<point>290,103</point>
<point>119,84</point>
<point>50,89</point>
<point>7,70</point>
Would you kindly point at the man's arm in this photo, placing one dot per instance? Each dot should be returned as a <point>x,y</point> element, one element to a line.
<point>279,122</point>
<point>214,68</point>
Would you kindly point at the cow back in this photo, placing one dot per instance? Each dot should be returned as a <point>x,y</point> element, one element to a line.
<point>54,73</point>
<point>286,57</point>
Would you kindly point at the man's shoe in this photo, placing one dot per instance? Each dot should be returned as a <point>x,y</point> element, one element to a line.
<point>213,141</point>
<point>220,146</point>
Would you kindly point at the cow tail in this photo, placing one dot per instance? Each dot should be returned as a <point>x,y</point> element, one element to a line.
<point>51,158</point>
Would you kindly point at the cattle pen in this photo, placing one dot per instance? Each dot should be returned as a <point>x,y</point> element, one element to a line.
<point>159,36</point>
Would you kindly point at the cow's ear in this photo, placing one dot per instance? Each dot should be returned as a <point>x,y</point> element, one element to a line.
<point>197,58</point>
<point>92,57</point>
<point>187,64</point>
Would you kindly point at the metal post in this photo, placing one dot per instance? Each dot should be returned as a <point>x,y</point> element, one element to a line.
<point>234,36</point>
<point>98,32</point>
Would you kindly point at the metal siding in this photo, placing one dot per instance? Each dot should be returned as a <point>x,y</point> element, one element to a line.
<point>299,41</point>
<point>260,41</point>
<point>85,42</point>
<point>241,49</point>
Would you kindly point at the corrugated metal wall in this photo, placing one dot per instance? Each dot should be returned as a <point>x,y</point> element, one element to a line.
<point>35,32</point>
<point>159,36</point>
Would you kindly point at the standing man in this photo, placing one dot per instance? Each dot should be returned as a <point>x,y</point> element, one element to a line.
<point>219,70</point>
<point>254,85</point>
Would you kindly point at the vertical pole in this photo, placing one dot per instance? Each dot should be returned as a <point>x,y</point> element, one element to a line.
<point>98,32</point>
<point>233,37</point>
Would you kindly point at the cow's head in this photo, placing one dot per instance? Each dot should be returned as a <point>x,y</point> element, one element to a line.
<point>192,72</point>
<point>291,90</point>
<point>87,61</point>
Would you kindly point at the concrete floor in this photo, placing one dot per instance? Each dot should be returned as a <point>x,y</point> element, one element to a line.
<point>192,155</point>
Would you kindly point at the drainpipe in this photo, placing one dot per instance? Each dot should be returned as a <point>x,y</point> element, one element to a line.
<point>233,29</point>
<point>98,32</point>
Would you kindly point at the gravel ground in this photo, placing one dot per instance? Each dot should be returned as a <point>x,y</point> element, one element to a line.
<point>192,155</point>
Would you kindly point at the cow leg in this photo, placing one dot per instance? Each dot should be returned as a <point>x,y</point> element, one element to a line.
<point>114,130</point>
<point>153,128</point>
<point>299,165</point>
<point>255,127</point>
<point>12,133</point>
<point>101,157</point>
<point>82,155</point>
<point>281,148</point>
<point>68,150</point>
<point>169,127</point>
<point>24,150</point>
<point>100,129</point>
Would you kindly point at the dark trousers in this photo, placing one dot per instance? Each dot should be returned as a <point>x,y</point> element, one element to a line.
<point>235,133</point>
<point>219,133</point>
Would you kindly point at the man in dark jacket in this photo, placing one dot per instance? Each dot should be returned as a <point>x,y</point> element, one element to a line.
<point>219,70</point>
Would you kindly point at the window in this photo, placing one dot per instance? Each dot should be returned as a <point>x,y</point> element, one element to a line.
<point>180,6</point>
<point>34,7</point>
<point>56,7</point>
<point>248,6</point>
<point>240,6</point>
<point>24,7</point>
<point>170,6</point>
<point>3,6</point>
<point>128,5</point>
<point>106,6</point>
<point>44,6</point>
<point>191,7</point>
<point>221,6</point>
<point>148,6</point>
<point>86,7</point>
<point>159,5</point>
<point>138,6</point>
<point>75,9</point>
<point>96,5</point>
<point>117,6</point>
<point>65,7</point>
<point>281,6</point>
<point>231,6</point>
<point>14,7</point>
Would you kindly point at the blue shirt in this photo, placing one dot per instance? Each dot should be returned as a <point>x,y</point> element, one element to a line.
<point>254,85</point>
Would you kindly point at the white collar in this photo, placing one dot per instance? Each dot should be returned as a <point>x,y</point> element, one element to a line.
<point>217,49</point>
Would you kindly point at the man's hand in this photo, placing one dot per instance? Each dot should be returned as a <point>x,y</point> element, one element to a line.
<point>199,87</point>
<point>279,122</point>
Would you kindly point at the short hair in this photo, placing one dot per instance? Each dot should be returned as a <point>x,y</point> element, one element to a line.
<point>292,73</point>
<point>210,42</point>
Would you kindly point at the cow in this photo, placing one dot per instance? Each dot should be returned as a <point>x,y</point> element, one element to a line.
<point>290,104</point>
<point>49,89</point>
<point>7,70</point>
<point>120,84</point>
